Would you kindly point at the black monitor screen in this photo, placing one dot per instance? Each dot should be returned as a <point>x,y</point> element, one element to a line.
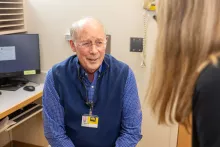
<point>19,54</point>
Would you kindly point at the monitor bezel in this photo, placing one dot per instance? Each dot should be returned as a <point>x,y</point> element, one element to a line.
<point>21,73</point>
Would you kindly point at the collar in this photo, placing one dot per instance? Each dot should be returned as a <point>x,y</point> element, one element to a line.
<point>82,72</point>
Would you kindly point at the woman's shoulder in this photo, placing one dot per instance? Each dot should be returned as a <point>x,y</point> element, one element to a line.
<point>210,76</point>
<point>207,89</point>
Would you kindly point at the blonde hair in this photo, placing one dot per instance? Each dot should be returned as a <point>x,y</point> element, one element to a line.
<point>188,34</point>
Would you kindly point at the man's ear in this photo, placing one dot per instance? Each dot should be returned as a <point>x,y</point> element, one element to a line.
<point>107,37</point>
<point>72,45</point>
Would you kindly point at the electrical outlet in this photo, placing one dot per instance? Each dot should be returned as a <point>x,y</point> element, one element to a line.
<point>136,44</point>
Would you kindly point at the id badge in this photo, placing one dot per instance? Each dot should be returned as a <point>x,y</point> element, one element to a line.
<point>90,121</point>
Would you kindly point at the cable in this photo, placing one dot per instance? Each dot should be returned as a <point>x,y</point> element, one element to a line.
<point>143,55</point>
<point>36,84</point>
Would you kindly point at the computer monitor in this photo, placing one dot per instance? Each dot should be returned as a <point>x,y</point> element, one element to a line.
<point>19,55</point>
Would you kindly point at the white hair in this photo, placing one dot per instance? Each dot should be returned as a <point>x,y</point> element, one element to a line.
<point>76,26</point>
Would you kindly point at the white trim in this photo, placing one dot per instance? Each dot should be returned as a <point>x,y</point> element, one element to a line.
<point>173,136</point>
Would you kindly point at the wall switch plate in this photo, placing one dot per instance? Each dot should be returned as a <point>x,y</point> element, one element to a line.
<point>136,44</point>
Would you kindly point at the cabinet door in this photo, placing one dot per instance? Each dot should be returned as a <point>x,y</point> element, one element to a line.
<point>12,16</point>
<point>184,138</point>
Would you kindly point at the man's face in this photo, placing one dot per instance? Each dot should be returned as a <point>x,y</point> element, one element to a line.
<point>90,47</point>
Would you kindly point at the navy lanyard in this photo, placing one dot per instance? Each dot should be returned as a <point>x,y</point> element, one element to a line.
<point>86,100</point>
<point>90,105</point>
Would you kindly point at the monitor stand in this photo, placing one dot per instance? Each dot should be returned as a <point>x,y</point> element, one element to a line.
<point>12,83</point>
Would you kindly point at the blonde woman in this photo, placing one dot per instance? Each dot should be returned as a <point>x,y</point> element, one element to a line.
<point>185,79</point>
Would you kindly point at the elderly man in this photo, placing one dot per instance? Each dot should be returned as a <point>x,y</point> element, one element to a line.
<point>91,99</point>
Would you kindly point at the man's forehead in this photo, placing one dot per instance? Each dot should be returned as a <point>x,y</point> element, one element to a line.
<point>88,33</point>
<point>88,28</point>
<point>86,38</point>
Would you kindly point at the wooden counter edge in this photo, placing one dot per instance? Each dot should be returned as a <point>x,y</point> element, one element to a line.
<point>21,105</point>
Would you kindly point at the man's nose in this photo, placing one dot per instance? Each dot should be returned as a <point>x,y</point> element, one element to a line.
<point>93,49</point>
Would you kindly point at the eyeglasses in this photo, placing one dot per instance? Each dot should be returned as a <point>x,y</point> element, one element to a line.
<point>89,44</point>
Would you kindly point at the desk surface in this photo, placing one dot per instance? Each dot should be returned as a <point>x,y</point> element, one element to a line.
<point>11,101</point>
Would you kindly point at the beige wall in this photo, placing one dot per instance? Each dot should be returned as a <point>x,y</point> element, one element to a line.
<point>123,19</point>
